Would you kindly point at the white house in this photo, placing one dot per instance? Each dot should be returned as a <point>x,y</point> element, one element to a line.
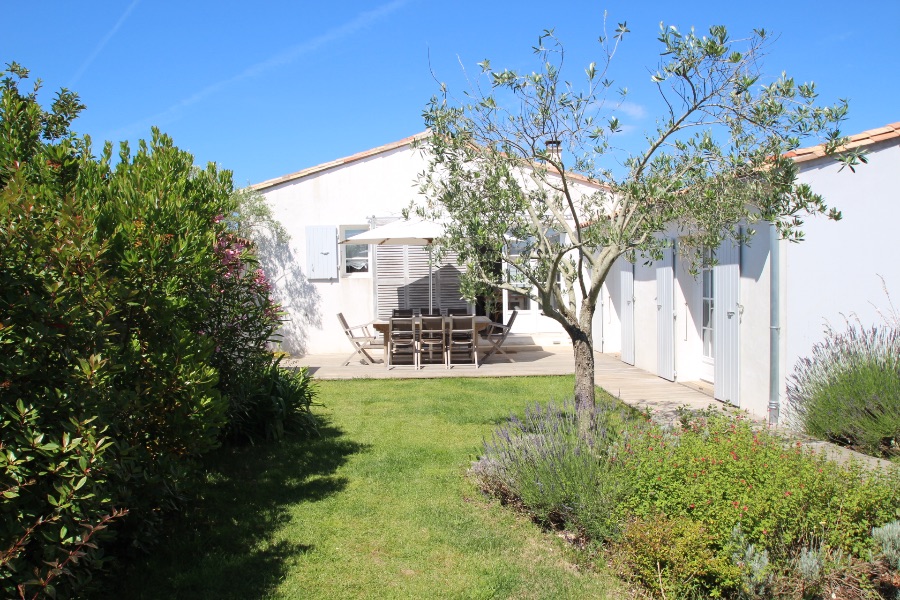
<point>719,329</point>
<point>316,277</point>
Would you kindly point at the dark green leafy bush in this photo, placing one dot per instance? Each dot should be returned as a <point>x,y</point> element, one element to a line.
<point>133,324</point>
<point>272,402</point>
<point>848,392</point>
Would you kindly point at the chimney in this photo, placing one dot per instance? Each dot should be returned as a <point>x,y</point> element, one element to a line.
<point>554,150</point>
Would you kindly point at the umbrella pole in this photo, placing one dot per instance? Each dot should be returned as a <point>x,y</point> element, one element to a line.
<point>430,281</point>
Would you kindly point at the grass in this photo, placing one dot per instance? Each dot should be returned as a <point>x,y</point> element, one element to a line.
<point>378,507</point>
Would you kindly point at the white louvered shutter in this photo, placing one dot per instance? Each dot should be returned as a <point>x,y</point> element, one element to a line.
<point>726,299</point>
<point>665,315</point>
<point>321,252</point>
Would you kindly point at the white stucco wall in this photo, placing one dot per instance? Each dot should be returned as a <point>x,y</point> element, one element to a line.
<point>380,186</point>
<point>831,275</point>
<point>834,273</point>
<point>688,305</point>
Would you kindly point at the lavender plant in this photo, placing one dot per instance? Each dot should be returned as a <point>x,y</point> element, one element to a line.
<point>557,467</point>
<point>848,392</point>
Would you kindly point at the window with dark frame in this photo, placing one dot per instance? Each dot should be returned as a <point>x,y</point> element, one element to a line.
<point>355,258</point>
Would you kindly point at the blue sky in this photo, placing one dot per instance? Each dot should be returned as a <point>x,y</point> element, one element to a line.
<point>270,87</point>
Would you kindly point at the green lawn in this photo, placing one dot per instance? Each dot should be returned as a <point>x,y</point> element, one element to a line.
<point>377,508</point>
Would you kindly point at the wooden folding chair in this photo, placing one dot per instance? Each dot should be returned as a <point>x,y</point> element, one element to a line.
<point>432,336</point>
<point>496,334</point>
<point>401,339</point>
<point>462,339</point>
<point>362,338</point>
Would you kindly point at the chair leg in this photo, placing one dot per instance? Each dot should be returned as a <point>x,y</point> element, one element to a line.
<point>362,354</point>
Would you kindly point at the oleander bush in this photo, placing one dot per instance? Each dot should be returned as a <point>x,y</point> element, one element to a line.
<point>133,338</point>
<point>713,508</point>
<point>848,391</point>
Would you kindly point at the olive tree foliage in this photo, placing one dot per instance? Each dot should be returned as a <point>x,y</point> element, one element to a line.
<point>557,221</point>
<point>253,218</point>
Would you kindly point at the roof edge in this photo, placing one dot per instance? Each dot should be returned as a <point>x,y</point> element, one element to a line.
<point>338,163</point>
<point>865,138</point>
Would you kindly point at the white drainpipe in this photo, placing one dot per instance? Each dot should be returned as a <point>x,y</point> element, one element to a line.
<point>774,325</point>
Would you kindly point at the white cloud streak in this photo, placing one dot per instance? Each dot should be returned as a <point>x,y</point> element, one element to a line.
<point>635,111</point>
<point>284,58</point>
<point>90,59</point>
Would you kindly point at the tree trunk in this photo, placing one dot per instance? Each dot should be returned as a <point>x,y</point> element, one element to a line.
<point>584,369</point>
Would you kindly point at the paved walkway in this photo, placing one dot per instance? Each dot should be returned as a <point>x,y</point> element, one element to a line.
<point>632,385</point>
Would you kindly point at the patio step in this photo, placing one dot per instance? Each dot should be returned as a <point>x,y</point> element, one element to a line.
<point>520,342</point>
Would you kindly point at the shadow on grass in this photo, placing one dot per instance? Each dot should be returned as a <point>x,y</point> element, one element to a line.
<point>224,544</point>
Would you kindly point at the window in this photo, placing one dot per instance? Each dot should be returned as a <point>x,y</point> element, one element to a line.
<point>354,257</point>
<point>515,301</point>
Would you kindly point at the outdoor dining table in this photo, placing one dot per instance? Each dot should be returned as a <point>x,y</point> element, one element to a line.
<point>480,323</point>
<point>383,325</point>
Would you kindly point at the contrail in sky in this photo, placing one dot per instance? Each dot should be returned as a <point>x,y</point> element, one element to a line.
<point>84,66</point>
<point>362,20</point>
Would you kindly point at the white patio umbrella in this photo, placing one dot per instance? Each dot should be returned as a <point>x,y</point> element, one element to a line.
<point>414,232</point>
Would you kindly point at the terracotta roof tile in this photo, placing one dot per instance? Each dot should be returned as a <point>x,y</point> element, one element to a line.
<point>865,138</point>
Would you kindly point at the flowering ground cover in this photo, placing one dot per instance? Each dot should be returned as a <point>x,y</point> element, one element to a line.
<point>715,508</point>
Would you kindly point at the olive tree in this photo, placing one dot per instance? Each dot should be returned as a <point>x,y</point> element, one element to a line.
<point>557,220</point>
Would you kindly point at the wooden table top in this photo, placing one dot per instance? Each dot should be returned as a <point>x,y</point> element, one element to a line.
<point>382,325</point>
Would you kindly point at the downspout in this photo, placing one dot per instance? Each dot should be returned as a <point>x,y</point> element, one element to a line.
<point>774,325</point>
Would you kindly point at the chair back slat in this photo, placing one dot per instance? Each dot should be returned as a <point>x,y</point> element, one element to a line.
<point>402,325</point>
<point>432,324</point>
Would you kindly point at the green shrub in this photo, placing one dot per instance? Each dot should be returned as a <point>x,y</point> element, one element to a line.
<point>271,403</point>
<point>719,471</point>
<point>848,392</point>
<point>714,509</point>
<point>133,326</point>
<point>674,557</point>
